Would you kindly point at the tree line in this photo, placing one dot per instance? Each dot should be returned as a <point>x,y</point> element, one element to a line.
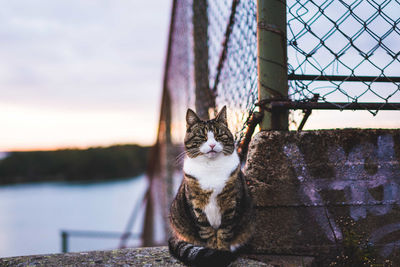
<point>93,164</point>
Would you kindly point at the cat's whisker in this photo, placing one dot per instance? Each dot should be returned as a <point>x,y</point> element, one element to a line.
<point>194,152</point>
<point>179,158</point>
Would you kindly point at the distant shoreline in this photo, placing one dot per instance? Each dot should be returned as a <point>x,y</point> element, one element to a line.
<point>74,165</point>
<point>73,183</point>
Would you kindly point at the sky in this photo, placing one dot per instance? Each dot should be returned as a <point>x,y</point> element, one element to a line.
<point>80,73</point>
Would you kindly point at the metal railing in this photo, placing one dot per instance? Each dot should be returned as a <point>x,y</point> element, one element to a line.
<point>67,234</point>
<point>345,52</point>
<point>122,236</point>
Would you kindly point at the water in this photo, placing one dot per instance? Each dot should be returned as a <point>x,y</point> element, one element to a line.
<point>32,215</point>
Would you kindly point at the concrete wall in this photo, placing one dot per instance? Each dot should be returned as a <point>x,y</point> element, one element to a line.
<point>306,185</point>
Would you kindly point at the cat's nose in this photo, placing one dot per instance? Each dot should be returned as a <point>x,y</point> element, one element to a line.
<point>212,146</point>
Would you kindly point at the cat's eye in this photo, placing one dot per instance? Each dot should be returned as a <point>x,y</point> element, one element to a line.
<point>222,137</point>
<point>199,133</point>
<point>198,139</point>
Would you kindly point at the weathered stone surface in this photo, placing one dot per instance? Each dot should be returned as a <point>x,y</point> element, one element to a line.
<point>305,184</point>
<point>156,256</point>
<point>285,260</point>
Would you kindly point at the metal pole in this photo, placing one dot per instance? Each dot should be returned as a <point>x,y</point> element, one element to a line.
<point>64,242</point>
<point>204,96</point>
<point>272,60</point>
<point>333,105</point>
<point>148,227</point>
<point>157,165</point>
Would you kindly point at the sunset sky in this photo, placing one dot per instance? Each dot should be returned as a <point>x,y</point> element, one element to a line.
<point>79,73</point>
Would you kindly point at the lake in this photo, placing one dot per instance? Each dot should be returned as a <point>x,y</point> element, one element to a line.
<point>32,215</point>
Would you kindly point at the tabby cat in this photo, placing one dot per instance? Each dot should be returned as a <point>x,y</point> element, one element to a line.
<point>211,214</point>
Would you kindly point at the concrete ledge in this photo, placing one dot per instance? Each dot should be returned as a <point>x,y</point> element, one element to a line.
<point>156,256</point>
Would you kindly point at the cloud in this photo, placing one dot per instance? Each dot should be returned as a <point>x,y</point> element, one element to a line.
<point>69,47</point>
<point>83,55</point>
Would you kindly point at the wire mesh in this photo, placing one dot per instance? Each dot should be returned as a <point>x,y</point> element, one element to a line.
<point>344,51</point>
<point>236,86</point>
<point>232,62</point>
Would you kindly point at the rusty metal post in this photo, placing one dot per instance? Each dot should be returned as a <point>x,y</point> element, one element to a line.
<point>205,99</point>
<point>148,227</point>
<point>160,182</point>
<point>64,242</point>
<point>168,160</point>
<point>272,61</point>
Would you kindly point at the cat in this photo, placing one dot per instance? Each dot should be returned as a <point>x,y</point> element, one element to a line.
<point>211,215</point>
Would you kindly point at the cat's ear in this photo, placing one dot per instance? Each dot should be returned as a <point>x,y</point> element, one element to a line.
<point>191,118</point>
<point>221,116</point>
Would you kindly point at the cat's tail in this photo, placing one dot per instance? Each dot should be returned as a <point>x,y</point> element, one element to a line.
<point>193,255</point>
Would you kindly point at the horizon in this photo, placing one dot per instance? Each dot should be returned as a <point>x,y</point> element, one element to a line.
<point>50,149</point>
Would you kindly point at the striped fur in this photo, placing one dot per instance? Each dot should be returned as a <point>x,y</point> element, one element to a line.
<point>193,255</point>
<point>211,214</point>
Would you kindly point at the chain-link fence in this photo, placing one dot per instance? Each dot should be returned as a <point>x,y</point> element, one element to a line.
<point>345,52</point>
<point>341,55</point>
<point>231,65</point>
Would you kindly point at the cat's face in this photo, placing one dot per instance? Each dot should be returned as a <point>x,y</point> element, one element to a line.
<point>208,138</point>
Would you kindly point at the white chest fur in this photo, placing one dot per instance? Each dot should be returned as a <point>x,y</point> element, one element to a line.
<point>212,174</point>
